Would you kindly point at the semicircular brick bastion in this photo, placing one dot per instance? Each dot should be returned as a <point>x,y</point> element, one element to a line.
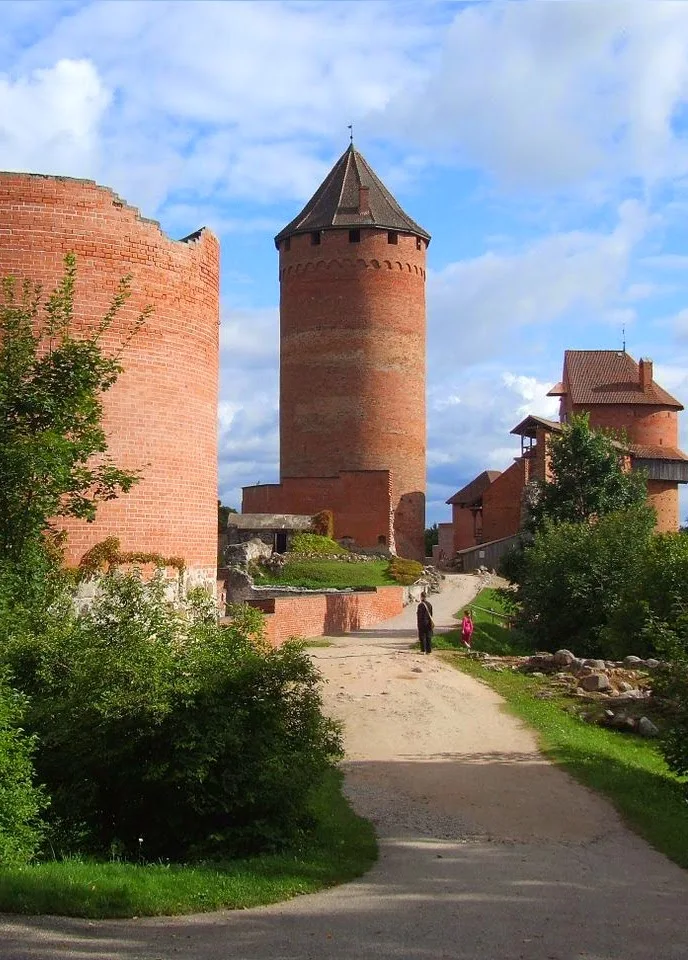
<point>161,415</point>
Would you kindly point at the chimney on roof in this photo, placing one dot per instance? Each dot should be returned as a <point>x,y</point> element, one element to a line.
<point>645,370</point>
<point>363,200</point>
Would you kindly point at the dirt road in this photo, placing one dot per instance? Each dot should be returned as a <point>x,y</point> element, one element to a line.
<point>487,851</point>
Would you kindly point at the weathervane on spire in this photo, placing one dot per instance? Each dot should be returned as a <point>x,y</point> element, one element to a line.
<point>351,133</point>
<point>623,334</point>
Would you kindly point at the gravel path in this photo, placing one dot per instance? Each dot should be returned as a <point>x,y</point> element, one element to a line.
<point>487,851</point>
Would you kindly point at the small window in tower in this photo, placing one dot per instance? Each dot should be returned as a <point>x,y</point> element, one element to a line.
<point>287,244</point>
<point>392,236</point>
<point>354,236</point>
<point>419,243</point>
<point>315,238</point>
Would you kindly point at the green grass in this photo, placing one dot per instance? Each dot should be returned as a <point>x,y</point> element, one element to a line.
<point>627,769</point>
<point>342,847</point>
<point>321,574</point>
<point>489,634</point>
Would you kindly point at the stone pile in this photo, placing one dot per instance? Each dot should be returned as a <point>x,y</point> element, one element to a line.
<point>622,686</point>
<point>431,579</point>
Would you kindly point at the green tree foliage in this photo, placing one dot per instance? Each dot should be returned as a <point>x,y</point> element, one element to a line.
<point>223,515</point>
<point>574,576</point>
<point>670,639</point>
<point>654,604</point>
<point>587,477</point>
<point>53,450</point>
<point>155,723</point>
<point>20,801</point>
<point>432,536</point>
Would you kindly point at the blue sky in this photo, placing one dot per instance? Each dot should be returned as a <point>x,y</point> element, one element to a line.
<point>544,145</point>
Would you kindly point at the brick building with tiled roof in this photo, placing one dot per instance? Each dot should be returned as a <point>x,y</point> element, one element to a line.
<point>619,395</point>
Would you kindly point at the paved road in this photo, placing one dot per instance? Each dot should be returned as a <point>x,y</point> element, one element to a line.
<point>487,851</point>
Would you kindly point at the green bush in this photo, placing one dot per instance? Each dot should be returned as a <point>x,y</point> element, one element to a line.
<point>20,801</point>
<point>657,597</point>
<point>163,735</point>
<point>404,571</point>
<point>314,543</point>
<point>574,576</point>
<point>670,684</point>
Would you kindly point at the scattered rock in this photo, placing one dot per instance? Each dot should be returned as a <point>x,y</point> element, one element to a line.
<point>632,663</point>
<point>595,664</point>
<point>624,687</point>
<point>646,728</point>
<point>652,664</point>
<point>595,682</point>
<point>416,669</point>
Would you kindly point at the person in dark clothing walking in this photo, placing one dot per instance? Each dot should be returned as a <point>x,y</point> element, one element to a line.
<point>425,623</point>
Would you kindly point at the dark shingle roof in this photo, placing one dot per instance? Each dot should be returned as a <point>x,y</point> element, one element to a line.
<point>527,427</point>
<point>335,204</point>
<point>610,376</point>
<point>473,491</point>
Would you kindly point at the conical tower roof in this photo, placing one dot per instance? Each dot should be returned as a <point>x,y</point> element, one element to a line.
<point>339,202</point>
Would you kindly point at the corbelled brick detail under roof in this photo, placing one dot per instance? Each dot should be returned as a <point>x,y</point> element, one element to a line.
<point>351,195</point>
<point>607,377</point>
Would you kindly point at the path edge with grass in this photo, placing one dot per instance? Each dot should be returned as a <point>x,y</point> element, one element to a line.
<point>343,846</point>
<point>627,770</point>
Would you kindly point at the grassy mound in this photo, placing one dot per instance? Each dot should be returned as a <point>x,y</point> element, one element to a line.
<point>327,574</point>
<point>314,543</point>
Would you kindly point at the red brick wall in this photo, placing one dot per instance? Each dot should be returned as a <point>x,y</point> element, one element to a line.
<point>445,541</point>
<point>161,415</point>
<point>328,614</point>
<point>642,424</point>
<point>663,495</point>
<point>464,527</point>
<point>352,366</point>
<point>502,502</point>
<point>360,501</point>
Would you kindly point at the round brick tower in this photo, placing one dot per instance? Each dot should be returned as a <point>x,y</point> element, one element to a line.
<point>352,338</point>
<point>161,415</point>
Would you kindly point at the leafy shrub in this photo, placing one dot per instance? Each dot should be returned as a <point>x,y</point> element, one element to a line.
<point>315,543</point>
<point>155,723</point>
<point>20,801</point>
<point>404,571</point>
<point>670,684</point>
<point>658,596</point>
<point>574,576</point>
<point>323,523</point>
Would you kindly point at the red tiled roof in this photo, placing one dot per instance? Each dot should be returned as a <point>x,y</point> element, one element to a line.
<point>473,491</point>
<point>558,390</point>
<point>610,376</point>
<point>644,452</point>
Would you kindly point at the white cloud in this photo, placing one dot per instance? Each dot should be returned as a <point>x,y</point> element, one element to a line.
<point>50,118</point>
<point>550,93</point>
<point>475,305</point>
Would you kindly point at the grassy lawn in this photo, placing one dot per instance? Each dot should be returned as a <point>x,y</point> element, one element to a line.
<point>318,574</point>
<point>490,635</point>
<point>629,770</point>
<point>343,847</point>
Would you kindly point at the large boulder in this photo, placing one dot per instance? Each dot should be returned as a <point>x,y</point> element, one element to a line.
<point>595,683</point>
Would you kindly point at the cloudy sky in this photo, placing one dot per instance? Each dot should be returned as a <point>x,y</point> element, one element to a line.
<point>544,145</point>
